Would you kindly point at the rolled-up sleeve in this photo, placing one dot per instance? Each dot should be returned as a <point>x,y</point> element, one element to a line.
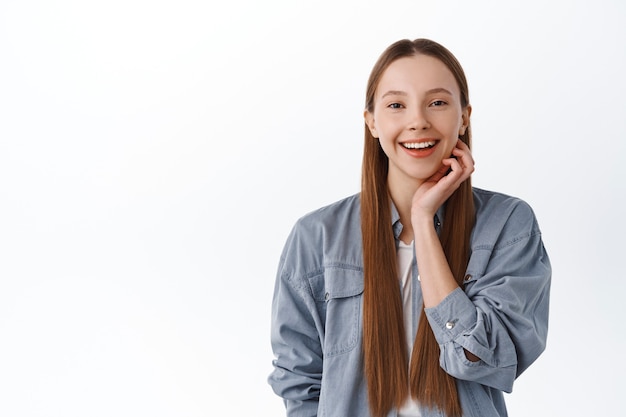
<point>295,340</point>
<point>501,315</point>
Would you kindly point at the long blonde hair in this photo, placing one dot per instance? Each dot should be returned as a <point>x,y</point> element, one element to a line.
<point>390,378</point>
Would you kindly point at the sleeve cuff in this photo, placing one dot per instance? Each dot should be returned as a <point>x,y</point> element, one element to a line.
<point>453,316</point>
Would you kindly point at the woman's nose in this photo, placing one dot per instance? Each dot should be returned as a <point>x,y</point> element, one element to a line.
<point>418,120</point>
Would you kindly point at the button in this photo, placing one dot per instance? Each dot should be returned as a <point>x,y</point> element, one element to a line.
<point>450,325</point>
<point>419,278</point>
<point>468,277</point>
<point>326,296</point>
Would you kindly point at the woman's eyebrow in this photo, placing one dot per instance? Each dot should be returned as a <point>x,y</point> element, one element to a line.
<point>394,93</point>
<point>403,93</point>
<point>439,90</point>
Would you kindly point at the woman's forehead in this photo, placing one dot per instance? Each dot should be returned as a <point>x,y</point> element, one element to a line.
<point>417,73</point>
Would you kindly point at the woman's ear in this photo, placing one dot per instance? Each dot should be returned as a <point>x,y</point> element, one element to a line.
<point>465,118</point>
<point>369,121</point>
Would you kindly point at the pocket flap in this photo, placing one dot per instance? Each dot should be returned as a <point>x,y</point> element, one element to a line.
<point>336,282</point>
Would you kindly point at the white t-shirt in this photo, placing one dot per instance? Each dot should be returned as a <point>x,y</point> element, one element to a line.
<point>405,263</point>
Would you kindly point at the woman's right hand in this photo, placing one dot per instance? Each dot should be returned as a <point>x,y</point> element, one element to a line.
<point>440,186</point>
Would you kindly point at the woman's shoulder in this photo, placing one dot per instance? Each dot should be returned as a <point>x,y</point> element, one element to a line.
<point>503,217</point>
<point>328,235</point>
<point>331,215</point>
<point>493,202</point>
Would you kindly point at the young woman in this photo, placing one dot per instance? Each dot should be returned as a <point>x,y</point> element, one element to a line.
<point>420,296</point>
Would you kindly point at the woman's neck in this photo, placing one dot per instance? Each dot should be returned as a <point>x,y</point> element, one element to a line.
<point>402,193</point>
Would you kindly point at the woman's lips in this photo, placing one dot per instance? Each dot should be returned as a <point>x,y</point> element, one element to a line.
<point>420,148</point>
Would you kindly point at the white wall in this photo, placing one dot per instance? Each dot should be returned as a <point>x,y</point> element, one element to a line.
<point>155,154</point>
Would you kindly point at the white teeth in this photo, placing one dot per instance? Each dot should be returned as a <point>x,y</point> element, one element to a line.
<point>420,145</point>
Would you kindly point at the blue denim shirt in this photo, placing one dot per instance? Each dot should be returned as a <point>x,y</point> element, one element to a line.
<point>500,314</point>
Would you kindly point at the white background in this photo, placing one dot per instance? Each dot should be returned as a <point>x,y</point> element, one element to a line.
<point>155,154</point>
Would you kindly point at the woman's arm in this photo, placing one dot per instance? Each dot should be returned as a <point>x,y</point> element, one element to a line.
<point>295,340</point>
<point>493,330</point>
<point>501,316</point>
<point>437,281</point>
<point>436,277</point>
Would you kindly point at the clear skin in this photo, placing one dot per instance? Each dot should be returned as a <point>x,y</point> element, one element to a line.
<point>418,100</point>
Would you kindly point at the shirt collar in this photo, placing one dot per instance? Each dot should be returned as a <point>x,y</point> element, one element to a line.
<point>397,225</point>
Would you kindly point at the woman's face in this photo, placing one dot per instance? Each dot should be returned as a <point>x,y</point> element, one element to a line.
<point>417,116</point>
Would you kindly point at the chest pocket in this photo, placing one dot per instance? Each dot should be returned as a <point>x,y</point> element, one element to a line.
<point>340,293</point>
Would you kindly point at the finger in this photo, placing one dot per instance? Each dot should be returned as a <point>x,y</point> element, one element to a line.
<point>454,170</point>
<point>463,151</point>
<point>461,148</point>
<point>465,159</point>
<point>455,167</point>
<point>458,171</point>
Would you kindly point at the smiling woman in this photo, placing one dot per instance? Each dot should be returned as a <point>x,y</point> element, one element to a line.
<point>416,117</point>
<point>421,295</point>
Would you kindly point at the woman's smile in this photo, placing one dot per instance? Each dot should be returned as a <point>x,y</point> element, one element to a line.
<point>420,148</point>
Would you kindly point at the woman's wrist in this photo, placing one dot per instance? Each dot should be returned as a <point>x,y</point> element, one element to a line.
<point>422,221</point>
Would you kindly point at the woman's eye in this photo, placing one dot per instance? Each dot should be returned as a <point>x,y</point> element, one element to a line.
<point>395,106</point>
<point>438,103</point>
